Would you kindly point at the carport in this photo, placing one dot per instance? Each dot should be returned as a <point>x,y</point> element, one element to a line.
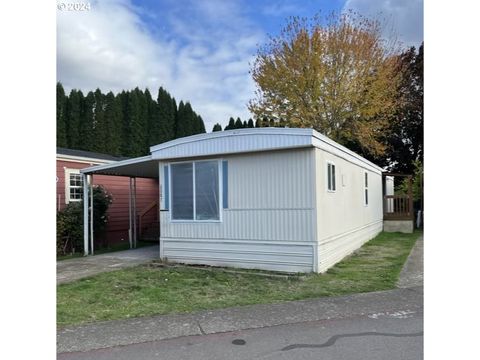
<point>141,167</point>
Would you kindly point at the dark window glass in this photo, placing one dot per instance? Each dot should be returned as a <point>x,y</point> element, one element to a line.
<point>182,191</point>
<point>206,190</point>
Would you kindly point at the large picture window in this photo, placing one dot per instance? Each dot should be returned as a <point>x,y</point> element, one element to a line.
<point>195,191</point>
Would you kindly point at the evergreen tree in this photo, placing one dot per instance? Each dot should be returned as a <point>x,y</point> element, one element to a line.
<point>244,124</point>
<point>142,148</point>
<point>100,129</point>
<point>265,122</point>
<point>404,139</point>
<point>113,122</point>
<point>181,121</point>
<point>258,123</point>
<point>217,127</point>
<point>175,118</point>
<point>154,123</point>
<point>250,123</point>
<point>200,125</point>
<point>74,114</point>
<point>126,124</point>
<point>61,116</point>
<point>85,140</point>
<point>238,123</point>
<point>166,116</point>
<point>231,124</point>
<point>134,126</point>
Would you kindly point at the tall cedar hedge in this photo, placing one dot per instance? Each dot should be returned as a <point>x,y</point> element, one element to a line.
<point>126,124</point>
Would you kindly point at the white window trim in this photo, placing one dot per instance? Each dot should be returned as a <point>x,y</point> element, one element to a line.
<point>69,171</point>
<point>326,177</point>
<point>365,187</point>
<point>220,192</point>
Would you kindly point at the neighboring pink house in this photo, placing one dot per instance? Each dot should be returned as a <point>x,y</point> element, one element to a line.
<point>70,189</point>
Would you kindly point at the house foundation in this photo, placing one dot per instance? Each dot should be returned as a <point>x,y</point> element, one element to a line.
<point>403,226</point>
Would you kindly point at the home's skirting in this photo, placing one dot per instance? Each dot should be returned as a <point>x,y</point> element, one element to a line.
<point>334,249</point>
<point>275,256</point>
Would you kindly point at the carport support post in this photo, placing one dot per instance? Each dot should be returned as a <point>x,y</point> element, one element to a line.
<point>130,211</point>
<point>135,212</point>
<point>91,214</point>
<point>85,214</point>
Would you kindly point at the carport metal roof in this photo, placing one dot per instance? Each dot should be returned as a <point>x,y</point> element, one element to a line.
<point>144,167</point>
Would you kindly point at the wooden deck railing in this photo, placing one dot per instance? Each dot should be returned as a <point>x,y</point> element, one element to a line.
<point>397,207</point>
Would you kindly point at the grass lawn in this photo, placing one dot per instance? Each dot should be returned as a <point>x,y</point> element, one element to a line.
<point>144,290</point>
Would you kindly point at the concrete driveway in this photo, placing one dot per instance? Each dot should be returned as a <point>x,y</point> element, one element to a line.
<point>73,269</point>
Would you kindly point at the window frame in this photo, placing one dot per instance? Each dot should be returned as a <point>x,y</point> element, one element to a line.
<point>69,172</point>
<point>327,178</point>
<point>365,188</point>
<point>220,192</point>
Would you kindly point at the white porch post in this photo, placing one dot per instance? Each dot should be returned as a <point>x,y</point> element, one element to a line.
<point>134,212</point>
<point>85,215</point>
<point>91,214</point>
<point>130,211</point>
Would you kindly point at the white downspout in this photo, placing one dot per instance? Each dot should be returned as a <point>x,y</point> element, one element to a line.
<point>91,214</point>
<point>85,215</point>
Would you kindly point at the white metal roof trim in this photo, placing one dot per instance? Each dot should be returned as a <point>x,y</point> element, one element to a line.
<point>116,164</point>
<point>232,144</point>
<point>252,140</point>
<point>241,141</point>
<point>230,133</point>
<point>334,145</point>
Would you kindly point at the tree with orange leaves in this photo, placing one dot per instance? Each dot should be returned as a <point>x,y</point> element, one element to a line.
<point>334,74</point>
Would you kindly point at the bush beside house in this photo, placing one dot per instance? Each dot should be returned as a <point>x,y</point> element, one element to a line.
<point>70,222</point>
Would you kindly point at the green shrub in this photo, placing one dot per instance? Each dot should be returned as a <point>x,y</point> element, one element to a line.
<point>70,221</point>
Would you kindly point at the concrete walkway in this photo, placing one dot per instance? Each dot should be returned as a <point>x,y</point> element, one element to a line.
<point>74,269</point>
<point>397,303</point>
<point>412,272</point>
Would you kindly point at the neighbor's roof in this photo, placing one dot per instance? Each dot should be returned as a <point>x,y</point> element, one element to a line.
<point>70,153</point>
<point>229,142</point>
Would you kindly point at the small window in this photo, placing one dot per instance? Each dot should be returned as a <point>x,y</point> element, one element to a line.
<point>73,185</point>
<point>331,185</point>
<point>366,189</point>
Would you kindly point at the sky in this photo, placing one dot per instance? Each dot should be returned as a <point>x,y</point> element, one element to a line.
<point>198,50</point>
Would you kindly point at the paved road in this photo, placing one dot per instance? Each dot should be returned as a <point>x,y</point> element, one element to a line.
<point>396,335</point>
<point>74,269</point>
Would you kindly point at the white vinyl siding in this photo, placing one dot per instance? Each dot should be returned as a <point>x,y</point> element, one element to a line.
<point>269,223</point>
<point>344,223</point>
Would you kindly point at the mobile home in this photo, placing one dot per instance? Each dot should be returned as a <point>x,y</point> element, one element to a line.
<point>279,199</point>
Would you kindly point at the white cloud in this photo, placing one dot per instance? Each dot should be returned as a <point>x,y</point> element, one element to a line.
<point>405,16</point>
<point>203,61</point>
